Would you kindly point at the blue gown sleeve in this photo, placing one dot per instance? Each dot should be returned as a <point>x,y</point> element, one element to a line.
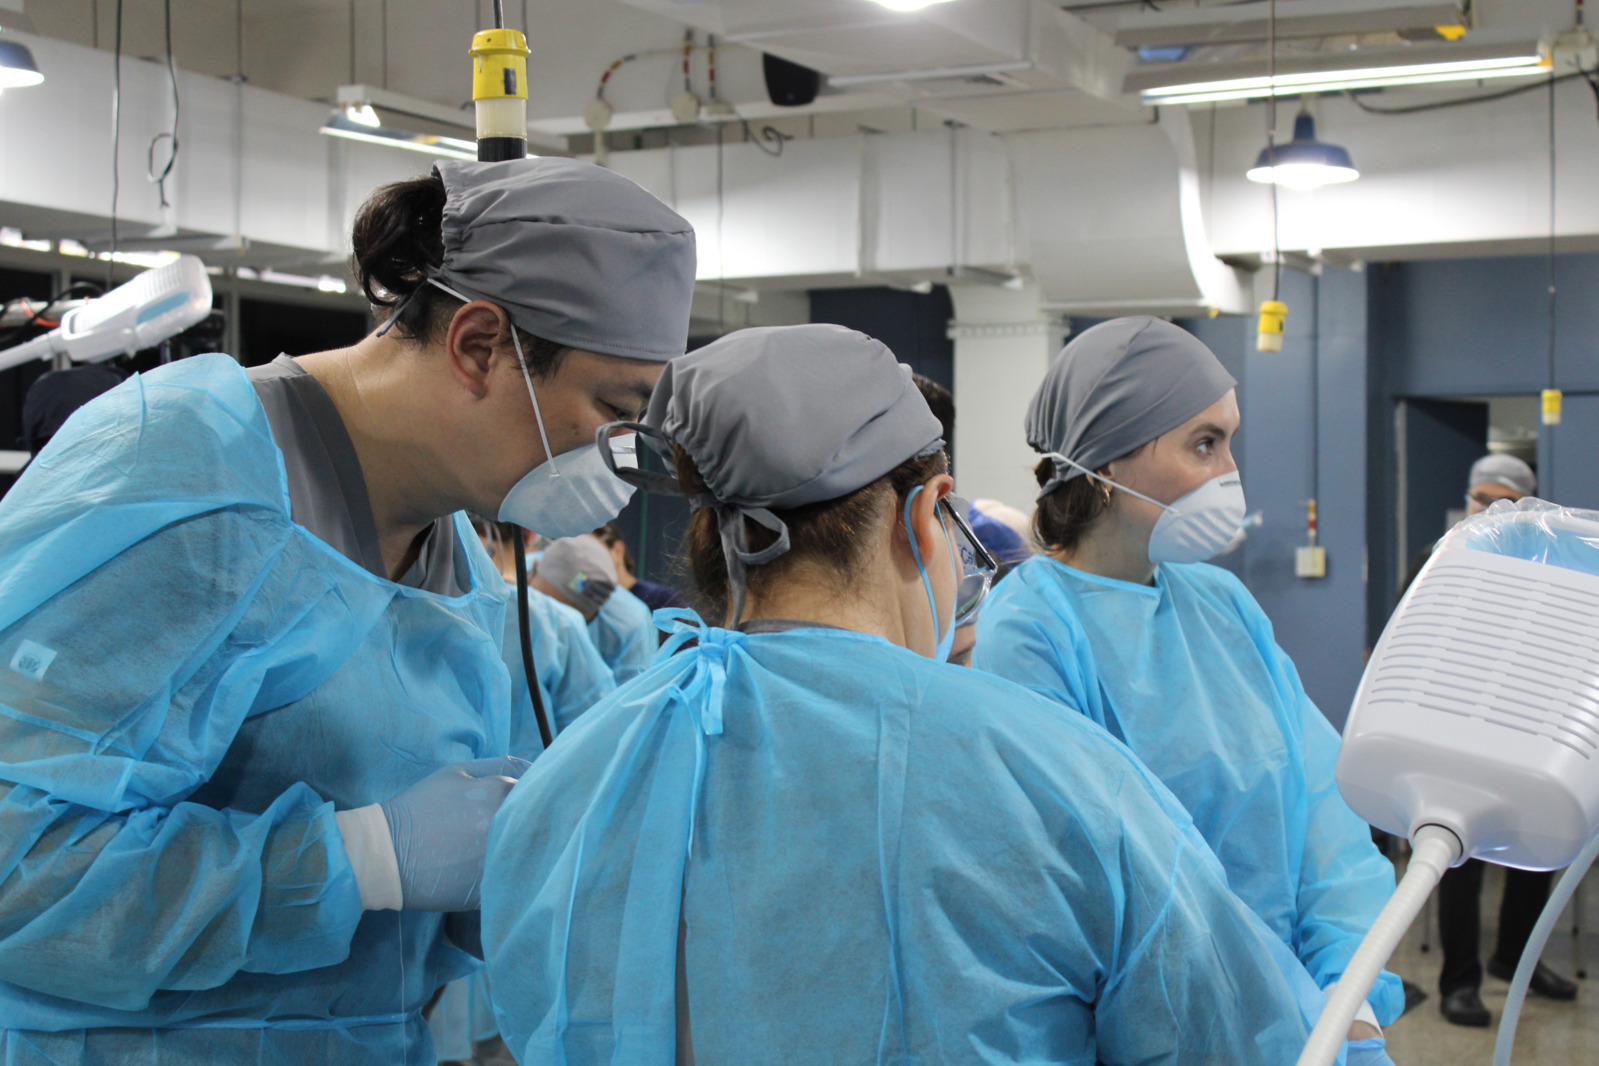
<point>142,617</point>
<point>1188,956</point>
<point>1344,881</point>
<point>125,689</point>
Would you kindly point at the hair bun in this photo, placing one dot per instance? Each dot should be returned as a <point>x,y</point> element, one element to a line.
<point>397,238</point>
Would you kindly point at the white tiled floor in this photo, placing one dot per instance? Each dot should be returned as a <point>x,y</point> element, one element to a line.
<point>1550,1034</point>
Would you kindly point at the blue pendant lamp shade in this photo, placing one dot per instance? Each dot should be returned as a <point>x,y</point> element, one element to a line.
<point>17,68</point>
<point>1304,162</point>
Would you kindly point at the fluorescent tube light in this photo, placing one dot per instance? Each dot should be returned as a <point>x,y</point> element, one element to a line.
<point>909,5</point>
<point>342,124</point>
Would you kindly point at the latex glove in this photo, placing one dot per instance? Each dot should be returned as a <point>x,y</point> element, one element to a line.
<point>440,829</point>
<point>430,858</point>
<point>1369,1053</point>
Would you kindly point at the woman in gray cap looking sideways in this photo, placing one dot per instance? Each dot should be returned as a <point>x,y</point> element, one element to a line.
<point>256,722</point>
<point>805,837</point>
<point>1123,621</point>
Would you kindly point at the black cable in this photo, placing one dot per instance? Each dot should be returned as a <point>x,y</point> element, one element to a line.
<point>1551,228</point>
<point>1271,148</point>
<point>116,142</point>
<point>1440,105</point>
<point>15,332</point>
<point>524,627</point>
<point>499,14</point>
<point>770,139</point>
<point>160,180</point>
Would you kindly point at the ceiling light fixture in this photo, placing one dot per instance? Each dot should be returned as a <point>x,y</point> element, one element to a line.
<point>359,124</point>
<point>909,5</point>
<point>1206,83</point>
<point>1303,163</point>
<point>17,67</point>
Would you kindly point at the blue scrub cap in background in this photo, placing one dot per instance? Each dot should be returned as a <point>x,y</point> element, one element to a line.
<point>575,254</point>
<point>1116,387</point>
<point>785,416</point>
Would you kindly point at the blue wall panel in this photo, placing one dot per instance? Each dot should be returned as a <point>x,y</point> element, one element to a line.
<point>1320,622</point>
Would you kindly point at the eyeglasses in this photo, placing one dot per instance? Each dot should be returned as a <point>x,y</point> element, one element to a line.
<point>978,565</point>
<point>640,456</point>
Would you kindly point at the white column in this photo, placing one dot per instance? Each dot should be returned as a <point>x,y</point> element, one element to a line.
<point>1004,342</point>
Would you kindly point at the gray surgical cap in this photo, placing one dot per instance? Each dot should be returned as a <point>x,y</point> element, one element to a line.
<point>786,416</point>
<point>575,254</point>
<point>581,568</point>
<point>1118,386</point>
<point>1505,470</point>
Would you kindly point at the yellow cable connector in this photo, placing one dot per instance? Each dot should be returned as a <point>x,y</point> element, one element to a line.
<point>1273,314</point>
<point>499,65</point>
<point>1551,406</point>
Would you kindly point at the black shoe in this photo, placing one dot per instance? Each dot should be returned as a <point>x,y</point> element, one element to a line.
<point>1464,1007</point>
<point>1415,996</point>
<point>1545,982</point>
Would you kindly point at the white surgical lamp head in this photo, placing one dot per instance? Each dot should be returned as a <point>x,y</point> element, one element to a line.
<point>1479,711</point>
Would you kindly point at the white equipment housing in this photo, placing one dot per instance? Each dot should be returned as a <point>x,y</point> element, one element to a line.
<point>1479,711</point>
<point>138,314</point>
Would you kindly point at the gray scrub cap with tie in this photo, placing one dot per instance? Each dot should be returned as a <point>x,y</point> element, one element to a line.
<point>781,417</point>
<point>575,254</point>
<point>1116,387</point>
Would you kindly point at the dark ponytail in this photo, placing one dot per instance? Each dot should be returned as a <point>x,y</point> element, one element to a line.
<point>398,241</point>
<point>1065,515</point>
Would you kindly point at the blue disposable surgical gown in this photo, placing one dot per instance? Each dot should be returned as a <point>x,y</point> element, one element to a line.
<point>625,634</point>
<point>572,675</point>
<point>195,683</point>
<point>1186,671</point>
<point>877,859</point>
<point>572,678</point>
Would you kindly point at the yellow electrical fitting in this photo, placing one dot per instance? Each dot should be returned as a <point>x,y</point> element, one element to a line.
<point>1551,406</point>
<point>499,65</point>
<point>1273,315</point>
<point>1451,33</point>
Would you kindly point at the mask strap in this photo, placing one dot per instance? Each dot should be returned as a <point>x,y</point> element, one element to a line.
<point>927,581</point>
<point>538,416</point>
<point>1059,458</point>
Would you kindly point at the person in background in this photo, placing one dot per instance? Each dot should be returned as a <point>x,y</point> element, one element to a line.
<point>572,678</point>
<point>52,399</point>
<point>1005,544</point>
<point>802,836</point>
<point>1493,478</point>
<point>655,595</point>
<point>1122,621</point>
<point>255,723</point>
<point>572,675</point>
<point>577,572</point>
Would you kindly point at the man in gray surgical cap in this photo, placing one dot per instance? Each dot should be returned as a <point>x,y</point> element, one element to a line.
<point>809,789</point>
<point>1122,620</point>
<point>307,726</point>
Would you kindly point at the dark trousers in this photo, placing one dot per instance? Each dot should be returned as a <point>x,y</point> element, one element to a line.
<point>1460,920</point>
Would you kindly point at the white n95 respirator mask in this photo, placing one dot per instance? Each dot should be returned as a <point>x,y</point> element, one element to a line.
<point>1200,525</point>
<point>566,495</point>
<point>1196,526</point>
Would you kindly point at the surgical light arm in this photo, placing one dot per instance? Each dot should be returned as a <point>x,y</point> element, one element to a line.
<point>1475,731</point>
<point>138,314</point>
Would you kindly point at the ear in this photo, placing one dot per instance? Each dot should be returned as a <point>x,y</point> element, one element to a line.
<point>470,342</point>
<point>925,525</point>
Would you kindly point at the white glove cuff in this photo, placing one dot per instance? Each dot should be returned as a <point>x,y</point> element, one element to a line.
<point>371,850</point>
<point>1364,1014</point>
